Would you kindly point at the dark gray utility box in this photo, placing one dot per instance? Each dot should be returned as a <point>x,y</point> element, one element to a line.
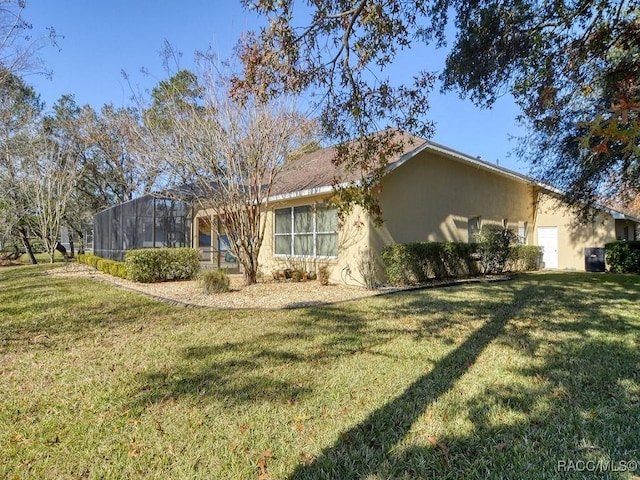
<point>594,259</point>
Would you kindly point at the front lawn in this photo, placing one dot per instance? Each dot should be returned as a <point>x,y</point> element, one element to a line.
<point>529,379</point>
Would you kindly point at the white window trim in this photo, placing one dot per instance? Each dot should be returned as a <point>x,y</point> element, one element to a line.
<point>292,234</point>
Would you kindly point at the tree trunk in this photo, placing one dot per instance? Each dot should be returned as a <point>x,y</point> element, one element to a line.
<point>80,242</point>
<point>62,250</point>
<point>16,254</point>
<point>250,277</point>
<point>27,245</point>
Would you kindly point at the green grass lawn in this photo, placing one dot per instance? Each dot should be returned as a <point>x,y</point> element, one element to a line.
<point>43,258</point>
<point>534,378</point>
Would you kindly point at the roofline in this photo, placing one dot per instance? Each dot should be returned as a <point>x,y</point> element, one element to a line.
<point>620,215</point>
<point>450,152</point>
<point>436,147</point>
<point>308,192</point>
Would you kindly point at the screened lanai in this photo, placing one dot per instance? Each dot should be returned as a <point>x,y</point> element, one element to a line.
<point>144,222</point>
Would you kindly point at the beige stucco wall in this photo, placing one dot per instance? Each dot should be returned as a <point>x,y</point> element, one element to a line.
<point>352,241</point>
<point>573,237</point>
<point>432,198</point>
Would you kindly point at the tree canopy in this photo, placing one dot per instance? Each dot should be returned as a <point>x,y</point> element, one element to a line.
<point>572,66</point>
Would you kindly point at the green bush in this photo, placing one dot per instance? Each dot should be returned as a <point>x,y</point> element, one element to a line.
<point>118,269</point>
<point>419,262</point>
<point>494,246</point>
<point>623,257</point>
<point>215,281</point>
<point>92,260</point>
<point>103,264</point>
<point>111,267</point>
<point>524,258</point>
<point>150,265</point>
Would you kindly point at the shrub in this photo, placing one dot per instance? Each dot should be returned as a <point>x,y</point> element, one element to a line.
<point>111,267</point>
<point>323,274</point>
<point>215,281</point>
<point>367,268</point>
<point>494,245</point>
<point>298,275</point>
<point>524,258</point>
<point>623,257</point>
<point>118,269</point>
<point>92,260</point>
<point>103,264</point>
<point>150,265</point>
<point>419,262</point>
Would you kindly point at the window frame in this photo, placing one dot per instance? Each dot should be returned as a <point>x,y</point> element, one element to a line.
<point>292,234</point>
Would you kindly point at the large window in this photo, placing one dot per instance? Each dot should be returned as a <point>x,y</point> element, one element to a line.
<point>306,231</point>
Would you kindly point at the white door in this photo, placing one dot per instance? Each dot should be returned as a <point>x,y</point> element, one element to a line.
<point>548,240</point>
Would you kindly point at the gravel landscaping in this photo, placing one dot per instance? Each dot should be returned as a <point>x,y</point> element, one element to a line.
<point>266,294</point>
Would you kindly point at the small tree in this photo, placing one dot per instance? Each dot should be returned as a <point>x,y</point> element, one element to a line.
<point>228,152</point>
<point>494,244</point>
<point>20,110</point>
<point>47,185</point>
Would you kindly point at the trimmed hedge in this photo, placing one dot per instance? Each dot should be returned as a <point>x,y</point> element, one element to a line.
<point>112,267</point>
<point>524,258</point>
<point>149,265</point>
<point>623,257</point>
<point>419,262</point>
<point>88,259</point>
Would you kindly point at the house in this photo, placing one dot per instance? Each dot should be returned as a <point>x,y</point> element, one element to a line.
<point>429,193</point>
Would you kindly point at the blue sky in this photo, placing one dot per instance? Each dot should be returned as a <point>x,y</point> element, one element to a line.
<point>99,39</point>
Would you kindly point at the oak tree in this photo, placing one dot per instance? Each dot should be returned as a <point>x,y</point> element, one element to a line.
<point>571,65</point>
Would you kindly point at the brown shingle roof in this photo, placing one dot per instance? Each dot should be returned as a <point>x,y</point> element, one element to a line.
<point>316,169</point>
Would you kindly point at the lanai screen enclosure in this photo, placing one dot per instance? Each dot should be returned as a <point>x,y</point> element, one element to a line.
<point>144,222</point>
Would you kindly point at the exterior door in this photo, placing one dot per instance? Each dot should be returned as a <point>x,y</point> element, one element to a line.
<point>548,240</point>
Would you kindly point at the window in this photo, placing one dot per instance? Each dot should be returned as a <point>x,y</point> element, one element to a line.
<point>522,233</point>
<point>474,225</point>
<point>307,231</point>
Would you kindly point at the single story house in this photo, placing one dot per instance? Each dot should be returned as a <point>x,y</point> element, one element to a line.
<point>429,193</point>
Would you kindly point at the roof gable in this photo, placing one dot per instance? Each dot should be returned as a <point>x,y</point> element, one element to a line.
<point>315,172</point>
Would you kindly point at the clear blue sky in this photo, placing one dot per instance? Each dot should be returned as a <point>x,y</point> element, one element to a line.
<point>99,39</point>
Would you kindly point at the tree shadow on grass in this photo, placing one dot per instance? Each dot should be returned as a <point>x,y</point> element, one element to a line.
<point>366,448</point>
<point>552,417</point>
<point>276,365</point>
<point>40,311</point>
<point>551,321</point>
